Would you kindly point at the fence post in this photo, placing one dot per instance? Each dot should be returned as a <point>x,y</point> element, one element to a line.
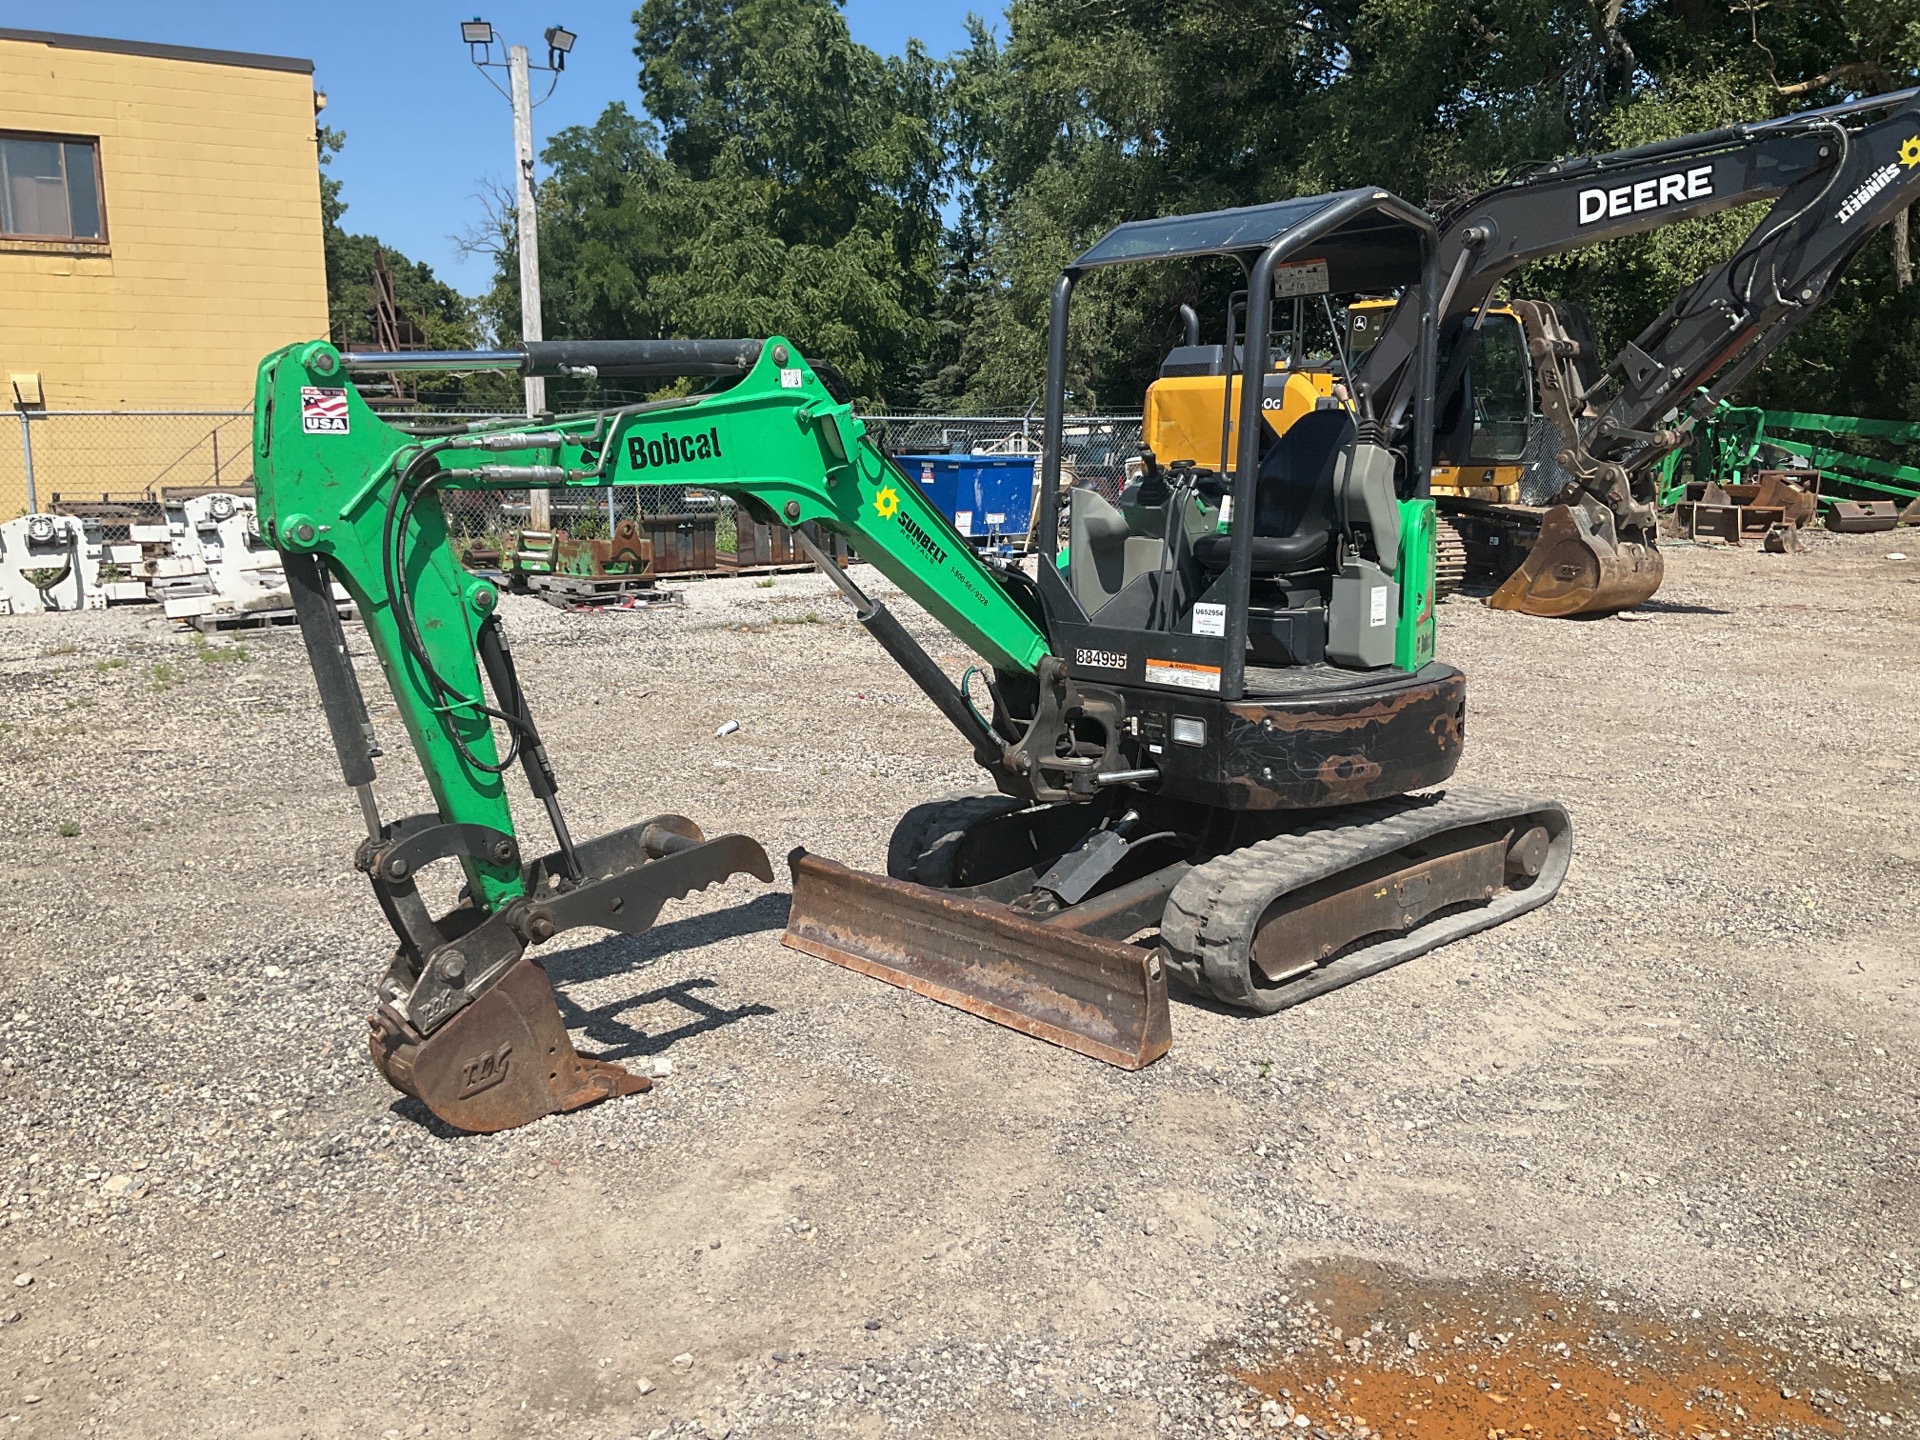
<point>26,449</point>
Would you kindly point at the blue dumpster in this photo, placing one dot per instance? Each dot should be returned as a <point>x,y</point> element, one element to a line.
<point>989,498</point>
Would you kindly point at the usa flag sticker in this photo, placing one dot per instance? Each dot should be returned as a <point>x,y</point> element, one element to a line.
<point>323,411</point>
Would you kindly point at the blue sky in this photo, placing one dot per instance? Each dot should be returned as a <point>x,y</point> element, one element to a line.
<point>424,129</point>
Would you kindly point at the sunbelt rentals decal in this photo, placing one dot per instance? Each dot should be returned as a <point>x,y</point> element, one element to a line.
<point>1879,180</point>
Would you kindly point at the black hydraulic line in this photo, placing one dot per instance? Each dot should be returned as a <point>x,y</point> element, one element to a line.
<point>498,662</point>
<point>663,359</point>
<point>1727,135</point>
<point>655,358</point>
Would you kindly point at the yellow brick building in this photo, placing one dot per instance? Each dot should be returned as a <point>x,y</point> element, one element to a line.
<point>159,222</point>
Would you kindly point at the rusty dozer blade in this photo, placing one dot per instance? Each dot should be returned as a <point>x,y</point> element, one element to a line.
<point>1578,567</point>
<point>1099,997</point>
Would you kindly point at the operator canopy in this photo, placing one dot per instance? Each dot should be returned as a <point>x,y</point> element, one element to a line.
<point>1370,239</point>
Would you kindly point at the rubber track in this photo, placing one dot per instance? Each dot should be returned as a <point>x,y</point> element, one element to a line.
<point>933,822</point>
<point>1208,928</point>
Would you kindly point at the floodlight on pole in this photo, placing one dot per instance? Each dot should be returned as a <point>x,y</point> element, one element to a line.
<point>479,37</point>
<point>559,46</point>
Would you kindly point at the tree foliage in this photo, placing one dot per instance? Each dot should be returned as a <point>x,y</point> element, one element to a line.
<point>905,217</point>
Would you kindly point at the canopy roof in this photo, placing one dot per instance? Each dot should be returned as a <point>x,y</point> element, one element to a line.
<point>1370,239</point>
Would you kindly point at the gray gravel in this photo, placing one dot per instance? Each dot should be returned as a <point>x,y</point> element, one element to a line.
<point>1690,1078</point>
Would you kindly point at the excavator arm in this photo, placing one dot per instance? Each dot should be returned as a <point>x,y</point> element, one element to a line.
<point>1835,176</point>
<point>348,498</point>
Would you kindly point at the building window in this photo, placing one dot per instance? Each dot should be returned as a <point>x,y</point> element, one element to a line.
<point>50,188</point>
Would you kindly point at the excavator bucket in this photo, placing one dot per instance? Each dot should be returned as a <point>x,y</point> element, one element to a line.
<point>1577,567</point>
<point>1102,998</point>
<point>476,1033</point>
<point>502,1062</point>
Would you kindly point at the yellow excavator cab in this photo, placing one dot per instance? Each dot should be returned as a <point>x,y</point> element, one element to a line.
<point>1183,416</point>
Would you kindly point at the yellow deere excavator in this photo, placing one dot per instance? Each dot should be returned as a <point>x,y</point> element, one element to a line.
<point>1543,460</point>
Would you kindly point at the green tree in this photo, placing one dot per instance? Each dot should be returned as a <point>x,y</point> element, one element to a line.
<point>787,180</point>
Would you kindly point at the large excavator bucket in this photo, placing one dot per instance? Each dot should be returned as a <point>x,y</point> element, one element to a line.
<point>1577,566</point>
<point>1101,998</point>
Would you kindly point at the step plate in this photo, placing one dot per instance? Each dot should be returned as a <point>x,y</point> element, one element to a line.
<point>1102,998</point>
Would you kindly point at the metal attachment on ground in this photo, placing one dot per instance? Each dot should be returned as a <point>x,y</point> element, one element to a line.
<point>1102,998</point>
<point>1862,517</point>
<point>1578,566</point>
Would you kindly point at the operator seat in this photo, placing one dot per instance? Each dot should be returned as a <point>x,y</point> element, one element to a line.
<point>1296,509</point>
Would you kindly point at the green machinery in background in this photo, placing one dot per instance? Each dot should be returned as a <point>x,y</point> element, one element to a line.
<point>1737,441</point>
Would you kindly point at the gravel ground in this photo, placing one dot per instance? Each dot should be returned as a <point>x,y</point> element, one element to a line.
<point>1690,1081</point>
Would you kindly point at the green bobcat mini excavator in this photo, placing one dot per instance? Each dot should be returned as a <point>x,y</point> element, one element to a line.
<point>1213,720</point>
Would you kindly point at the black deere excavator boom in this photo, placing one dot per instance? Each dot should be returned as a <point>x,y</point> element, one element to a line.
<point>1835,176</point>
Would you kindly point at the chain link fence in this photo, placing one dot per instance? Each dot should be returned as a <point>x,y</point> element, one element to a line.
<point>54,459</point>
<point>89,461</point>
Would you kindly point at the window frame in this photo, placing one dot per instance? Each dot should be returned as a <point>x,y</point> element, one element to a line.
<point>99,241</point>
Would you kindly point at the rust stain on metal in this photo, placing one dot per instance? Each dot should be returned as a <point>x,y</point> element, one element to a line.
<point>1369,1351</point>
<point>505,1060</point>
<point>1348,778</point>
<point>1318,719</point>
<point>1101,998</point>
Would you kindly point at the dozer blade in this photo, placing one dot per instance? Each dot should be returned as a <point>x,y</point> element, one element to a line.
<point>1573,569</point>
<point>1099,997</point>
<point>504,1060</point>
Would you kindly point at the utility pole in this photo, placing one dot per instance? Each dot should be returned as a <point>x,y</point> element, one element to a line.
<point>479,37</point>
<point>517,71</point>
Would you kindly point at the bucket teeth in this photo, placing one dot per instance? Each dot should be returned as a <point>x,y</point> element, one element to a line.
<point>504,1060</point>
<point>1099,997</point>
